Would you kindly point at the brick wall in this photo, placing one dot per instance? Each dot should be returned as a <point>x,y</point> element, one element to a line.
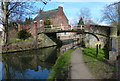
<point>60,18</point>
<point>12,34</point>
<point>32,28</point>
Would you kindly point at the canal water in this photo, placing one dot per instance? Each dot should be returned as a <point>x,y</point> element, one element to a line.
<point>35,64</point>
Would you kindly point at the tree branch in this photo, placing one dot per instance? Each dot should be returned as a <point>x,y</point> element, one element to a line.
<point>9,11</point>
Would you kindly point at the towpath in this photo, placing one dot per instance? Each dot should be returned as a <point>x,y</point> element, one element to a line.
<point>78,68</point>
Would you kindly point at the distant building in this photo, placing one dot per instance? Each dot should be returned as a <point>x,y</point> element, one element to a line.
<point>57,18</point>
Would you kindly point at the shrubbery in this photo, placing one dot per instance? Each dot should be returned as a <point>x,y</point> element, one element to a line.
<point>47,23</point>
<point>23,34</point>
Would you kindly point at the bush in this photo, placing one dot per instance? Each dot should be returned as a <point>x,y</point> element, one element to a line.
<point>47,23</point>
<point>23,34</point>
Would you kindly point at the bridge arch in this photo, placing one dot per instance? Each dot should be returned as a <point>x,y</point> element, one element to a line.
<point>80,32</point>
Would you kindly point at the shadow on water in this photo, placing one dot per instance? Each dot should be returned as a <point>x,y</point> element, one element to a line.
<point>35,64</point>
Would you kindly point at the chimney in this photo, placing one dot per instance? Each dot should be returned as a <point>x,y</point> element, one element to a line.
<point>40,10</point>
<point>60,8</point>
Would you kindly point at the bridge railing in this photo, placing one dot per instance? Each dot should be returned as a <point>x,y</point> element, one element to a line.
<point>51,28</point>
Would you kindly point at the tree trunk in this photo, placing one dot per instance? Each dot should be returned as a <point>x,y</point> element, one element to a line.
<point>5,24</point>
<point>6,34</point>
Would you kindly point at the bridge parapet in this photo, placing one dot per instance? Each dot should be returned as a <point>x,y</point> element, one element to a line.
<point>51,28</point>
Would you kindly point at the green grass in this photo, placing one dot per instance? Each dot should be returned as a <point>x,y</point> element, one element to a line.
<point>61,65</point>
<point>99,67</point>
<point>102,54</point>
<point>15,40</point>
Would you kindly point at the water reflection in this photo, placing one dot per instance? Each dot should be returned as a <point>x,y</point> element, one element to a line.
<point>34,64</point>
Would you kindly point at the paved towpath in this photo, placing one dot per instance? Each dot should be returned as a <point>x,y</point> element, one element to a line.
<point>78,68</point>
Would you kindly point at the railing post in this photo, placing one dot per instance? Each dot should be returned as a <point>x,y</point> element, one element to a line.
<point>97,50</point>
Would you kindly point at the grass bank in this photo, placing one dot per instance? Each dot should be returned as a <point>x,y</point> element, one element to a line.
<point>18,40</point>
<point>99,67</point>
<point>60,69</point>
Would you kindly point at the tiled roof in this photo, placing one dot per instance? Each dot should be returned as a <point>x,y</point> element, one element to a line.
<point>47,14</point>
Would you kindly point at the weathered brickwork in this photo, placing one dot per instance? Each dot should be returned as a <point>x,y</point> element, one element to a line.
<point>103,33</point>
<point>56,16</point>
<point>60,18</point>
<point>30,28</point>
<point>13,33</point>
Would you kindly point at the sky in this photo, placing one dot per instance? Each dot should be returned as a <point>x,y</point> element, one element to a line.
<point>72,9</point>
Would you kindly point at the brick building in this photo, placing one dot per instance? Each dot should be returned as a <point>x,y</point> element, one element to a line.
<point>56,16</point>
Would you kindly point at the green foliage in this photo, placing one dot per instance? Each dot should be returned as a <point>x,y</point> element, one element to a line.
<point>16,40</point>
<point>23,34</point>
<point>28,20</point>
<point>81,21</point>
<point>61,65</point>
<point>47,22</point>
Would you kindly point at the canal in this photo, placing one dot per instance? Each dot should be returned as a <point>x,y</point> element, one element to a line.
<point>34,64</point>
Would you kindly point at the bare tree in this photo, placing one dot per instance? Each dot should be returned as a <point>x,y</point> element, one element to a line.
<point>85,14</point>
<point>110,14</point>
<point>15,11</point>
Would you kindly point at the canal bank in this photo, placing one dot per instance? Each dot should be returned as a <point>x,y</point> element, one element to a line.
<point>61,68</point>
<point>43,41</point>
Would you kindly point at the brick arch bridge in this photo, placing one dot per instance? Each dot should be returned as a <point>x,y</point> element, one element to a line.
<point>77,31</point>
